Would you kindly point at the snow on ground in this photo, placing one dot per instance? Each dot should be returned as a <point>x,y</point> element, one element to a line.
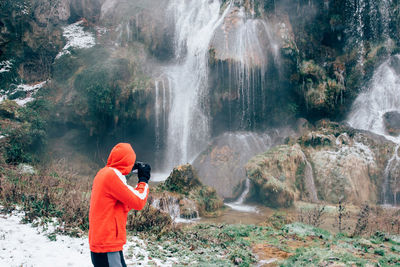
<point>5,66</point>
<point>23,245</point>
<point>76,38</point>
<point>30,90</point>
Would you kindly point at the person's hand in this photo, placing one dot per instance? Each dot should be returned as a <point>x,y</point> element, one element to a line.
<point>144,172</point>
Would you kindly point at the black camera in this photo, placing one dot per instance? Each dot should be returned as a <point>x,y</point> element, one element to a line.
<point>138,165</point>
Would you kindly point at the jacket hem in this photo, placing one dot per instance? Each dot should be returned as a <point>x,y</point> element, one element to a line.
<point>102,249</point>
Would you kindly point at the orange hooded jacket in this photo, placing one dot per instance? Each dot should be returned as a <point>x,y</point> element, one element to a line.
<point>112,199</point>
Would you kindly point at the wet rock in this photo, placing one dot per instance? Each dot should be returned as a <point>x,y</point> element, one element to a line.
<point>391,121</point>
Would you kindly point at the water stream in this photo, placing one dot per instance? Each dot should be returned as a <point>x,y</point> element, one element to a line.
<point>380,97</point>
<point>239,203</point>
<point>309,182</point>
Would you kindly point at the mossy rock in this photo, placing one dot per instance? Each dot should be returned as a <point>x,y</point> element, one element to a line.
<point>207,200</point>
<point>182,180</point>
<point>274,193</point>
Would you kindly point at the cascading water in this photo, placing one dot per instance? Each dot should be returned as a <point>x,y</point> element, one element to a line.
<point>200,26</point>
<point>246,44</point>
<point>238,204</point>
<point>188,119</point>
<point>369,20</point>
<point>382,96</point>
<point>357,29</point>
<point>389,193</point>
<point>171,206</point>
<point>309,181</point>
<point>370,107</point>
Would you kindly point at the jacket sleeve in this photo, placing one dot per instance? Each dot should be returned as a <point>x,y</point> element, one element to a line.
<point>135,198</point>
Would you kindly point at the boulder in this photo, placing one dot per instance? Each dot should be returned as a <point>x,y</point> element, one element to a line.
<point>182,180</point>
<point>273,175</point>
<point>391,121</point>
<point>222,164</point>
<point>187,194</point>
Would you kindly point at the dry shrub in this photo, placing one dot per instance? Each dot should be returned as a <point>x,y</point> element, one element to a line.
<point>278,220</point>
<point>49,193</point>
<point>314,216</point>
<point>384,220</point>
<point>362,220</point>
<point>342,217</point>
<point>149,219</point>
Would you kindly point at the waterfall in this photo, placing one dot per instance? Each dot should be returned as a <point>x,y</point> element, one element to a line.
<point>188,119</point>
<point>170,205</point>
<point>246,45</point>
<point>162,98</point>
<point>369,20</point>
<point>389,194</point>
<point>369,108</point>
<point>357,29</point>
<point>200,26</point>
<point>309,181</point>
<point>238,204</point>
<point>380,97</point>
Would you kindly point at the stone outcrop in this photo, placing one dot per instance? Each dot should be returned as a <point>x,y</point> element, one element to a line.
<point>222,164</point>
<point>345,164</point>
<point>183,195</point>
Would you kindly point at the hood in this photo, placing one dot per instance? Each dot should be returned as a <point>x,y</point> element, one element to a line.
<point>122,158</point>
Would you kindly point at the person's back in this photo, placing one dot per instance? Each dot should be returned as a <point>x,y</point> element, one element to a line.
<point>110,202</point>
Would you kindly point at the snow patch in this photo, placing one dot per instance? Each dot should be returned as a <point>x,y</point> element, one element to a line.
<point>76,38</point>
<point>30,90</point>
<point>5,66</point>
<point>24,245</point>
<point>26,169</point>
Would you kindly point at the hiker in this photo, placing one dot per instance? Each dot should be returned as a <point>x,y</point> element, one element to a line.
<point>112,198</point>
